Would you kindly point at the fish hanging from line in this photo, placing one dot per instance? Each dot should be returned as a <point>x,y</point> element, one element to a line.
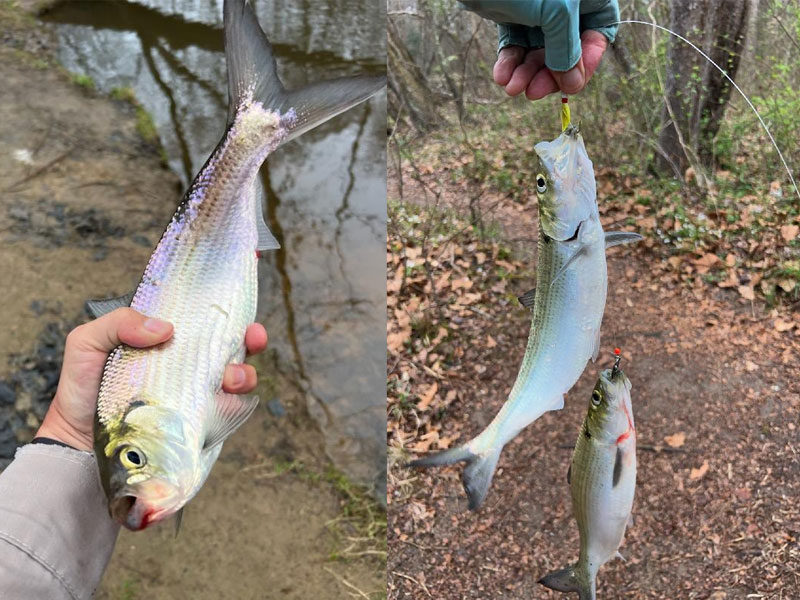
<point>602,480</point>
<point>567,305</point>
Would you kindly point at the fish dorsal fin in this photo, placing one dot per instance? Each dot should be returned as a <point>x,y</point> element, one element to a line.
<point>596,349</point>
<point>230,411</point>
<point>266,241</point>
<point>615,238</point>
<point>99,307</point>
<point>253,75</point>
<point>527,299</point>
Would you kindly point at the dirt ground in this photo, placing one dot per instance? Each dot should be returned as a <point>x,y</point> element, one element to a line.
<point>83,201</point>
<point>715,395</point>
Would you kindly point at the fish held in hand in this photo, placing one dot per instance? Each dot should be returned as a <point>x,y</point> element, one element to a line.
<point>162,415</point>
<point>567,303</point>
<point>602,480</point>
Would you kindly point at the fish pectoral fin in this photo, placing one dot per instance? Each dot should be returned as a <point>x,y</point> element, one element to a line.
<point>178,520</point>
<point>615,238</point>
<point>528,298</point>
<point>230,411</point>
<point>617,468</point>
<point>98,308</point>
<point>581,249</point>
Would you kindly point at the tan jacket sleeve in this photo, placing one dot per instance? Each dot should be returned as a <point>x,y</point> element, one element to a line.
<point>56,537</point>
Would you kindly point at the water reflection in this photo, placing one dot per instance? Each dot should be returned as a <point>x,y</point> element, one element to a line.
<point>323,293</point>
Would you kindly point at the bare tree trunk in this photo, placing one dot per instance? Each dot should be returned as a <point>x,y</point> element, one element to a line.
<point>696,92</point>
<point>407,85</point>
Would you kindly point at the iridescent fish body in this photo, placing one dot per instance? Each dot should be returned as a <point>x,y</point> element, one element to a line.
<point>602,481</point>
<point>161,415</point>
<point>568,305</point>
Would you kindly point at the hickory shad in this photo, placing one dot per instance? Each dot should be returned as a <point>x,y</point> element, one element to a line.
<point>161,415</point>
<point>568,304</point>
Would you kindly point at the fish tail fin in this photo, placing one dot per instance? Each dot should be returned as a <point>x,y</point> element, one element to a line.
<point>253,76</point>
<point>478,473</point>
<point>570,580</point>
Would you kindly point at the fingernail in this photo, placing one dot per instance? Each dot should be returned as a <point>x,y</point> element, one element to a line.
<point>239,376</point>
<point>572,80</point>
<point>156,326</point>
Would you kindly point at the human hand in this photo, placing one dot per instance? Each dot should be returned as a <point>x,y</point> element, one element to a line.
<point>521,70</point>
<point>70,418</point>
<point>548,45</point>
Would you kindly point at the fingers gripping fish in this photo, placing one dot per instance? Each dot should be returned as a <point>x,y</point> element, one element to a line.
<point>162,416</point>
<point>568,305</point>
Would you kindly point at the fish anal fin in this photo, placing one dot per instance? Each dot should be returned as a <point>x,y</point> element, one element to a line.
<point>99,307</point>
<point>230,411</point>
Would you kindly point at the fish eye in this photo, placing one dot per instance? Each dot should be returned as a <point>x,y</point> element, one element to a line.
<point>597,397</point>
<point>132,458</point>
<point>541,184</point>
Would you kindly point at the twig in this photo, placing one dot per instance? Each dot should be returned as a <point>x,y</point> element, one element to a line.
<point>40,170</point>
<point>347,583</point>
<point>410,578</point>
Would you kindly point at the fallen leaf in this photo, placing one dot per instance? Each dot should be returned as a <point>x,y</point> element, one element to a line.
<point>698,473</point>
<point>490,342</point>
<point>789,232</point>
<point>781,325</point>
<point>426,398</point>
<point>750,366</point>
<point>463,283</point>
<point>787,285</point>
<point>675,440</point>
<point>747,292</point>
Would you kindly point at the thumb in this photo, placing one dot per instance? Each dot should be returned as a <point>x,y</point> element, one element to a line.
<point>562,37</point>
<point>121,326</point>
<point>573,80</point>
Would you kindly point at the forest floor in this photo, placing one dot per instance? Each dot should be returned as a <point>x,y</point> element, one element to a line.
<point>710,337</point>
<point>84,198</point>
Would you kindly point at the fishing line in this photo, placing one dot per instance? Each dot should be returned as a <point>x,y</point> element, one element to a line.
<point>733,83</point>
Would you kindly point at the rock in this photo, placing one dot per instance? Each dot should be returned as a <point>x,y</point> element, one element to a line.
<point>24,402</point>
<point>7,394</point>
<point>276,408</point>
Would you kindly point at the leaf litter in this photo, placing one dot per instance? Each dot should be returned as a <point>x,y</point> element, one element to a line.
<point>708,324</point>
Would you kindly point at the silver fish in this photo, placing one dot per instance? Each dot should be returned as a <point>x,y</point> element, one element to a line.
<point>568,304</point>
<point>161,415</point>
<point>602,480</point>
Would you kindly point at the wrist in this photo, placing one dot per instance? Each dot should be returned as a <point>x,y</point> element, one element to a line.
<point>56,427</point>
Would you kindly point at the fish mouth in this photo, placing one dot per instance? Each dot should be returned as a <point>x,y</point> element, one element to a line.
<point>131,513</point>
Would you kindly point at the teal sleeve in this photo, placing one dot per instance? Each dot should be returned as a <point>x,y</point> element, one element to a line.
<point>555,25</point>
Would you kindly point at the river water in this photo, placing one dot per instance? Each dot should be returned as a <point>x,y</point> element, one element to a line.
<point>322,295</point>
